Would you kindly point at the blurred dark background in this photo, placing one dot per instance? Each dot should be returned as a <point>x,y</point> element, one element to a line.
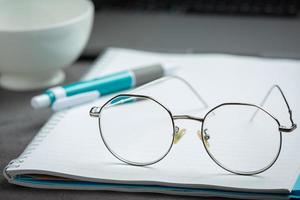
<point>282,8</point>
<point>253,27</point>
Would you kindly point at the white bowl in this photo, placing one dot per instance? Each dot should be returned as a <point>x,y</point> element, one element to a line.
<point>38,38</point>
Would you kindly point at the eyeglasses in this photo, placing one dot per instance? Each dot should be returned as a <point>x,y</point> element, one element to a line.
<point>241,138</point>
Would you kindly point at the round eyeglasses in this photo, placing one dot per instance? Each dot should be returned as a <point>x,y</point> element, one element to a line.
<point>241,138</point>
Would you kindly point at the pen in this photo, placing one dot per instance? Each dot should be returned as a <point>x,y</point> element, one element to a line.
<point>61,97</point>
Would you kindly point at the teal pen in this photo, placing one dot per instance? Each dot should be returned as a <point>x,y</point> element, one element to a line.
<point>61,97</point>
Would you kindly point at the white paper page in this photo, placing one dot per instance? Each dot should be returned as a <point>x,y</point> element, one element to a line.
<point>75,147</point>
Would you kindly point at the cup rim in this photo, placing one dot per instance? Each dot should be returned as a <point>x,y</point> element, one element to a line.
<point>73,20</point>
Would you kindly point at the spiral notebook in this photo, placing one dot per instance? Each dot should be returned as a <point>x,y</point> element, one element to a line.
<point>67,153</point>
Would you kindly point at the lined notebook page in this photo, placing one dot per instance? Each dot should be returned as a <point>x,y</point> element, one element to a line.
<point>74,149</point>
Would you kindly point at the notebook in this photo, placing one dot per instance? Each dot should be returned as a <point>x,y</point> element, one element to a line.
<point>67,153</point>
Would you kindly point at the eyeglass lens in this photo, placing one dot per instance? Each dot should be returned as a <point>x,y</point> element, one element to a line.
<point>239,144</point>
<point>142,132</point>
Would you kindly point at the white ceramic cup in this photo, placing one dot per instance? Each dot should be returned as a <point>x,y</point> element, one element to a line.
<point>38,38</point>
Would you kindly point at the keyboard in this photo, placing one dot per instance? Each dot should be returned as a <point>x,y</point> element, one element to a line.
<point>280,8</point>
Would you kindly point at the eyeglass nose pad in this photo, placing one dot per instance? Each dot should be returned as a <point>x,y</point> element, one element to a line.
<point>179,132</point>
<point>206,137</point>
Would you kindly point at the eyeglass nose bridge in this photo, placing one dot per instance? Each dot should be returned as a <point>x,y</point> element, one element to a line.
<point>180,132</point>
<point>175,117</point>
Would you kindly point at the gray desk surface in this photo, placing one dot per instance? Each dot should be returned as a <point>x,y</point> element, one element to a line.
<point>18,125</point>
<point>165,32</point>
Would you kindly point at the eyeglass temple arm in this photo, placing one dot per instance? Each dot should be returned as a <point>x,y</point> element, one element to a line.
<point>94,112</point>
<point>180,79</point>
<point>281,128</point>
<point>192,89</point>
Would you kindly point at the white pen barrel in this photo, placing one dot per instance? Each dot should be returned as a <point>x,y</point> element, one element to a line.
<point>78,99</point>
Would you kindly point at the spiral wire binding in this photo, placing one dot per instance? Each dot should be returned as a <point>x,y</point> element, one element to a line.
<point>36,141</point>
<point>56,118</point>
